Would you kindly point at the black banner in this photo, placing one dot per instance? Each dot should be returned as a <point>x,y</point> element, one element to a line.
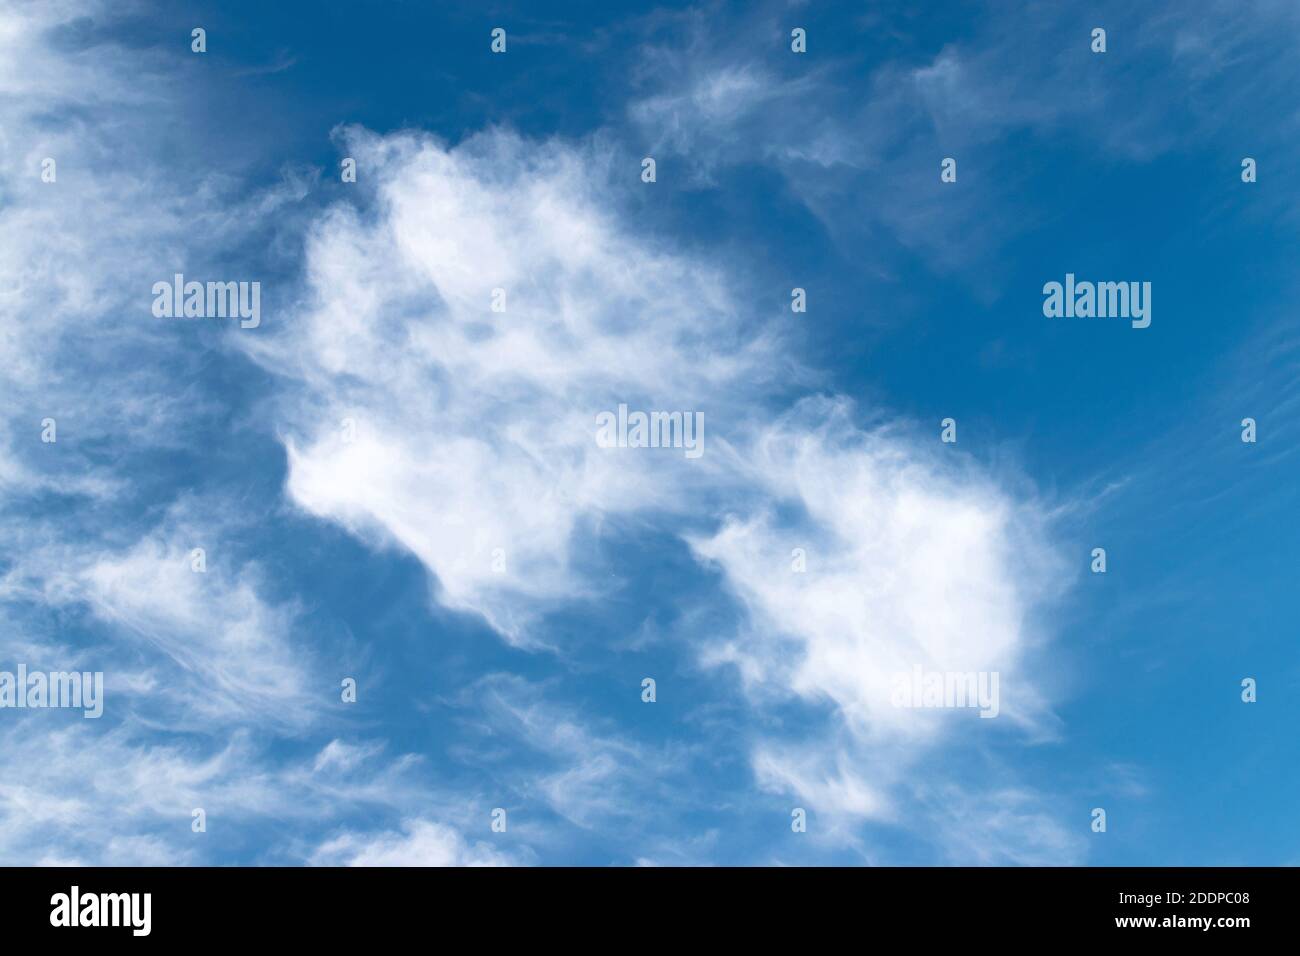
<point>333,906</point>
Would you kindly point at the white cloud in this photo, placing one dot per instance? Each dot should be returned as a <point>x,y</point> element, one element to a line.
<point>213,625</point>
<point>910,562</point>
<point>595,780</point>
<point>420,843</point>
<point>838,791</point>
<point>343,756</point>
<point>863,153</point>
<point>119,795</point>
<point>90,794</point>
<point>207,680</point>
<point>475,430</point>
<point>79,256</point>
<point>203,648</point>
<point>1001,826</point>
<point>93,577</point>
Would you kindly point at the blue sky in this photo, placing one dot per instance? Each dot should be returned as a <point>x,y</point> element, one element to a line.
<point>497,584</point>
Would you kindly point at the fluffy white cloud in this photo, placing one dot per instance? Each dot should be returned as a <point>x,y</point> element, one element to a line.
<point>909,562</point>
<point>420,843</point>
<point>475,431</point>
<point>472,446</point>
